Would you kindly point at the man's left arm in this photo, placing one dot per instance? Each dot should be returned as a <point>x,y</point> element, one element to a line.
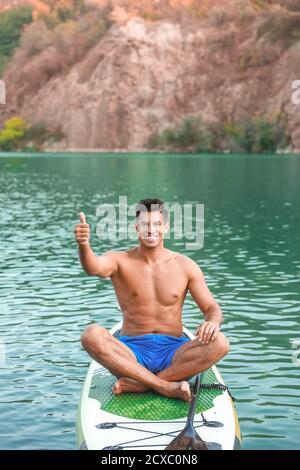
<point>212,312</point>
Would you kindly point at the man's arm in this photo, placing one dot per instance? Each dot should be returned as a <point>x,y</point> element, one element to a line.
<point>103,266</point>
<point>205,301</point>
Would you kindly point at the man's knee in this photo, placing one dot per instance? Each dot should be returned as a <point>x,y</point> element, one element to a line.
<point>223,344</point>
<point>93,335</point>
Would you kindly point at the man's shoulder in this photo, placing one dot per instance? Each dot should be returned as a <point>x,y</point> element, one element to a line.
<point>185,260</point>
<point>187,264</point>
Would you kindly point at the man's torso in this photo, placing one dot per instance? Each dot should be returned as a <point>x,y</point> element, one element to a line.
<point>151,296</point>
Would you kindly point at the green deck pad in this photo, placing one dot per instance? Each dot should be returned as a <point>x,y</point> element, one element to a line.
<point>149,406</point>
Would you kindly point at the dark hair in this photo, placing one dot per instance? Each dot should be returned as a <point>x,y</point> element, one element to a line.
<point>151,205</point>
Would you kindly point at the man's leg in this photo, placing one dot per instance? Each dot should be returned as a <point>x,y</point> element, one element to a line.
<point>190,359</point>
<point>194,357</point>
<point>121,361</point>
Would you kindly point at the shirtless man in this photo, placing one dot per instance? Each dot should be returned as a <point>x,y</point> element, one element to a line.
<point>151,283</point>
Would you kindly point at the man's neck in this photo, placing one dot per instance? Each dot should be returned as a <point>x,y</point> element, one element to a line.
<point>152,255</point>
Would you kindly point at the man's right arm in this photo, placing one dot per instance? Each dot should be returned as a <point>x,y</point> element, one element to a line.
<point>103,266</point>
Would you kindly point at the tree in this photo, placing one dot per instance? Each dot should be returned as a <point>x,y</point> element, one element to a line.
<point>12,133</point>
<point>11,25</point>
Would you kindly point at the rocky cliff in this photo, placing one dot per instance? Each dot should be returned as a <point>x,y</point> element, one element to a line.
<point>233,60</point>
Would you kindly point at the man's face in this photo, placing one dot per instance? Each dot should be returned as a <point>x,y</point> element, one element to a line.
<point>151,228</point>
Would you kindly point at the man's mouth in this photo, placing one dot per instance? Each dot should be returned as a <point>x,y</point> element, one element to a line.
<point>151,238</point>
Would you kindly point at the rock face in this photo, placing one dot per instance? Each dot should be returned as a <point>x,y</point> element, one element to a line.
<point>145,76</point>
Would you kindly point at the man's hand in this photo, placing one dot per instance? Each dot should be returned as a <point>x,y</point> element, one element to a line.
<point>207,331</point>
<point>82,231</point>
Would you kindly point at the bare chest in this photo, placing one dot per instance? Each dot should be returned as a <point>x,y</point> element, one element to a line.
<point>163,284</point>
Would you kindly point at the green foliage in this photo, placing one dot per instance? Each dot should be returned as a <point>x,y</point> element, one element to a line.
<point>3,62</point>
<point>38,132</point>
<point>253,135</point>
<point>258,135</point>
<point>12,133</point>
<point>190,135</point>
<point>17,135</point>
<point>187,133</point>
<point>64,13</point>
<point>16,123</point>
<point>11,25</point>
<point>68,40</point>
<point>68,30</point>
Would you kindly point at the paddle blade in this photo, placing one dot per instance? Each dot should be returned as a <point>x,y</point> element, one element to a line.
<point>198,444</point>
<point>187,440</point>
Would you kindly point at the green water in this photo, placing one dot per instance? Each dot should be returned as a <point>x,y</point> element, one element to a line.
<point>250,258</point>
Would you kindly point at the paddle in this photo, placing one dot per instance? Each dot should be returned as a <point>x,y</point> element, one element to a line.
<point>188,438</point>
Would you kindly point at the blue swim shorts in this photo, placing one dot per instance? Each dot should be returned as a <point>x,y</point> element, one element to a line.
<point>154,351</point>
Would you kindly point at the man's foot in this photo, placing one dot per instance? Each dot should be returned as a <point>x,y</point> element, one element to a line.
<point>124,384</point>
<point>180,390</point>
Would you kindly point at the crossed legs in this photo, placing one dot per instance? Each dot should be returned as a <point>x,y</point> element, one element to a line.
<point>188,360</point>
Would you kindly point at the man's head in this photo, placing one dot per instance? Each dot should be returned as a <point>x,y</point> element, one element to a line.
<point>152,222</point>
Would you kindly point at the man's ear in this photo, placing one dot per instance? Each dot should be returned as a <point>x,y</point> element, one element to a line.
<point>136,227</point>
<point>166,227</point>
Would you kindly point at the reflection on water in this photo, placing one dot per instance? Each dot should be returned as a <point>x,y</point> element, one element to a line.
<point>250,259</point>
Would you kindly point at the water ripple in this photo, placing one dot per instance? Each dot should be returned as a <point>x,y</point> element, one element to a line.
<point>250,262</point>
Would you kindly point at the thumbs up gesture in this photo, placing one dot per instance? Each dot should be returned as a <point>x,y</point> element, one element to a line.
<point>82,231</point>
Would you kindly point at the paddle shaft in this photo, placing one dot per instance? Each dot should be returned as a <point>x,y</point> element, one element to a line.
<point>194,400</point>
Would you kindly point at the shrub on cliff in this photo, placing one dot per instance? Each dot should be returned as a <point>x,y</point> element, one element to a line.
<point>253,135</point>
<point>280,26</point>
<point>36,38</point>
<point>257,135</point>
<point>11,26</point>
<point>69,40</point>
<point>191,135</point>
<point>12,133</point>
<point>17,135</point>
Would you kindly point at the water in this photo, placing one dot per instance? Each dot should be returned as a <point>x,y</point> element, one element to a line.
<point>250,259</point>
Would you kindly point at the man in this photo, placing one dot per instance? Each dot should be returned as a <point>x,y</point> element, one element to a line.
<point>151,283</point>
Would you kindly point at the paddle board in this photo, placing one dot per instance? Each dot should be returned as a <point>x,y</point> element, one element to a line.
<point>148,420</point>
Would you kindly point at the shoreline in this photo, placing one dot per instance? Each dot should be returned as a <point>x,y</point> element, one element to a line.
<point>124,152</point>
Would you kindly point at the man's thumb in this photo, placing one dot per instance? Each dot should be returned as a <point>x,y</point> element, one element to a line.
<point>82,218</point>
